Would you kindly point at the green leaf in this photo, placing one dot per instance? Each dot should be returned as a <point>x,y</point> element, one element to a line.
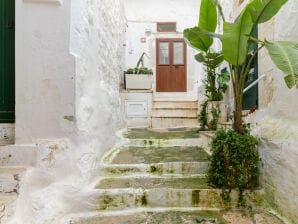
<point>285,57</point>
<point>208,16</point>
<point>197,39</point>
<point>235,39</point>
<point>200,57</point>
<point>263,10</point>
<point>215,59</point>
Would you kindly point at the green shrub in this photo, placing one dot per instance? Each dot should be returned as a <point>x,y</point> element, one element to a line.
<point>234,162</point>
<point>141,70</point>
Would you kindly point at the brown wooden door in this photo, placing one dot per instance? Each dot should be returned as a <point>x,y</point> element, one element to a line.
<point>170,65</point>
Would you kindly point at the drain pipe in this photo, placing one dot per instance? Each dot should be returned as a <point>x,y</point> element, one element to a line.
<point>254,83</point>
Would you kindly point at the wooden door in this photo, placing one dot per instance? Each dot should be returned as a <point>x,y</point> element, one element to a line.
<point>171,65</point>
<point>7,61</point>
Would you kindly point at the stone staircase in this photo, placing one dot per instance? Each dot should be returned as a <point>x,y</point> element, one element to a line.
<point>158,177</point>
<point>174,114</point>
<point>14,161</point>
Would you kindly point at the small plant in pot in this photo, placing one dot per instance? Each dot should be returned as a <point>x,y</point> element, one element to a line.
<point>216,84</point>
<point>139,77</point>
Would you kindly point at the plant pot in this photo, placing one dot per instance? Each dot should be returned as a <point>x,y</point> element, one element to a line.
<point>221,107</point>
<point>138,81</point>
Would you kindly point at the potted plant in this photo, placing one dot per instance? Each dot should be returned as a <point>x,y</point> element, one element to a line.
<point>139,77</point>
<point>234,159</point>
<point>213,110</point>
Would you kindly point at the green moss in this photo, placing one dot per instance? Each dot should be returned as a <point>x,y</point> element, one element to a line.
<point>155,169</point>
<point>183,168</point>
<point>149,155</point>
<point>141,200</point>
<point>120,170</point>
<point>195,198</point>
<point>105,202</point>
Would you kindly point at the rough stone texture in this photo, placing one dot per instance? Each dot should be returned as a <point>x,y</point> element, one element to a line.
<point>277,125</point>
<point>266,66</point>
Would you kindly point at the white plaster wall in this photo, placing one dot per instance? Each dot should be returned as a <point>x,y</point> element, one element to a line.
<point>45,87</point>
<point>97,41</point>
<point>69,62</point>
<point>142,15</point>
<point>278,126</point>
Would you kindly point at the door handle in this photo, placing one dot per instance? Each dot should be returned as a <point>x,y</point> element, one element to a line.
<point>176,66</point>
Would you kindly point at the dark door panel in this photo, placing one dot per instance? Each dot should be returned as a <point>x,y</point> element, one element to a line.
<point>7,61</point>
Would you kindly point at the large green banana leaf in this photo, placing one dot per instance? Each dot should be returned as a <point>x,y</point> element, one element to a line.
<point>208,16</point>
<point>207,22</point>
<point>285,57</point>
<point>263,10</point>
<point>197,39</point>
<point>235,39</point>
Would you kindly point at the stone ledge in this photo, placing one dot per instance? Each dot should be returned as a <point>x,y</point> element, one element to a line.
<point>44,1</point>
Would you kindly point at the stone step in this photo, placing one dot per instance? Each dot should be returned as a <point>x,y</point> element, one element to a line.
<point>150,216</point>
<point>149,155</point>
<point>7,206</point>
<point>165,134</point>
<point>174,112</point>
<point>175,104</point>
<point>152,181</point>
<point>18,155</point>
<point>118,199</point>
<point>174,216</point>
<point>10,178</point>
<point>163,169</point>
<point>174,122</point>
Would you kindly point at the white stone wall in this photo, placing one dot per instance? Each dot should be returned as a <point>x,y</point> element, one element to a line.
<point>69,61</point>
<point>45,74</point>
<point>278,120</point>
<point>97,41</point>
<point>142,15</point>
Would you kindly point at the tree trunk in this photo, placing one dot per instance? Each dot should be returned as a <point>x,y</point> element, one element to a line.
<point>238,124</point>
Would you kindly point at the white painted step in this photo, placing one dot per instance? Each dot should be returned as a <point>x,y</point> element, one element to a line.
<point>169,112</point>
<point>18,155</point>
<point>175,104</point>
<point>10,178</point>
<point>158,123</point>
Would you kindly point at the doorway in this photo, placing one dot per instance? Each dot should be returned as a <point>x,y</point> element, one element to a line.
<point>171,65</point>
<point>7,61</point>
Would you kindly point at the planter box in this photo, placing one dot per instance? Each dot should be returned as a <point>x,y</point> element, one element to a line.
<point>220,106</point>
<point>138,81</point>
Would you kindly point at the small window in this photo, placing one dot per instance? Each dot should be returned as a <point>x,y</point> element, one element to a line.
<point>166,27</point>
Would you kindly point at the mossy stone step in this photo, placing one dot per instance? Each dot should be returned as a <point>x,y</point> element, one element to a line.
<point>167,134</point>
<point>150,181</point>
<point>118,199</point>
<point>163,217</point>
<point>148,155</point>
<point>165,169</point>
<point>181,217</point>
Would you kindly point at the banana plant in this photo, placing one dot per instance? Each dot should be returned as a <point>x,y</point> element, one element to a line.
<point>237,39</point>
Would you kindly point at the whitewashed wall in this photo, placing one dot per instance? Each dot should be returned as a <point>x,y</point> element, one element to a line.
<point>278,122</point>
<point>142,14</point>
<point>45,73</point>
<point>69,61</point>
<point>277,119</point>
